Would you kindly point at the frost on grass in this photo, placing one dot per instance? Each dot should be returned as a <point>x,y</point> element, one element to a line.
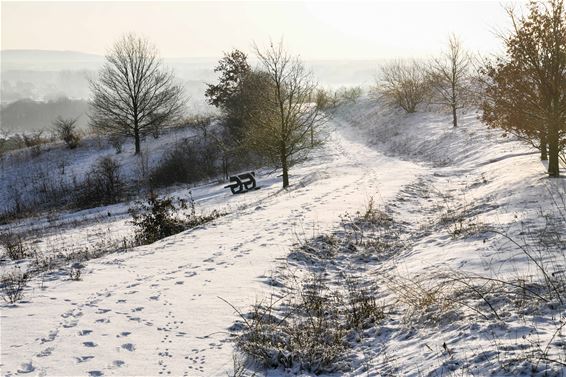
<point>12,285</point>
<point>340,301</point>
<point>316,320</point>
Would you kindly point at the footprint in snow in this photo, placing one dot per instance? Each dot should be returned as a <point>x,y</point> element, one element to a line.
<point>26,368</point>
<point>118,363</point>
<point>128,347</point>
<point>82,359</point>
<point>45,352</point>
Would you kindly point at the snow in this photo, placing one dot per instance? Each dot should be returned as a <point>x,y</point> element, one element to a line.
<point>166,295</point>
<point>157,310</point>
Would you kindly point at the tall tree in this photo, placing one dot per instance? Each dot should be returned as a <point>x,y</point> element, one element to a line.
<point>229,93</point>
<point>284,118</point>
<point>232,68</point>
<point>133,95</point>
<point>527,87</point>
<point>450,77</point>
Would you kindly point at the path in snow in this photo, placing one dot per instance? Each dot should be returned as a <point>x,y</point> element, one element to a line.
<point>156,311</point>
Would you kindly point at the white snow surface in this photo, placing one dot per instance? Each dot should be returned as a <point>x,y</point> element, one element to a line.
<point>157,310</point>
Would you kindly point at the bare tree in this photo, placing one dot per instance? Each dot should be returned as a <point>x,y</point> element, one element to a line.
<point>133,96</point>
<point>284,125</point>
<point>450,77</point>
<point>403,84</point>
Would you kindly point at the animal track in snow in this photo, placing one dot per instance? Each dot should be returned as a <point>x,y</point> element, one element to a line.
<point>128,347</point>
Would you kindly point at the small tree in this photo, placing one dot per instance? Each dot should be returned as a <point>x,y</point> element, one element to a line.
<point>66,130</point>
<point>450,78</point>
<point>133,96</point>
<point>403,84</point>
<point>157,219</point>
<point>526,88</point>
<point>284,125</point>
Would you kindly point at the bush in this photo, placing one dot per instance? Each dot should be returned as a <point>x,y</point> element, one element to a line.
<point>158,218</point>
<point>76,270</point>
<point>187,162</point>
<point>350,94</point>
<point>14,246</point>
<point>363,308</point>
<point>12,285</point>
<point>307,334</point>
<point>324,99</point>
<point>66,130</point>
<point>310,330</point>
<point>102,185</point>
<point>32,139</point>
<point>117,142</point>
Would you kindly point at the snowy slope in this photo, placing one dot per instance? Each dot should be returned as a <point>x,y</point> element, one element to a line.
<point>156,309</point>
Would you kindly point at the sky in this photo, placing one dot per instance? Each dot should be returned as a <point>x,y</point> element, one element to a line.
<point>314,30</point>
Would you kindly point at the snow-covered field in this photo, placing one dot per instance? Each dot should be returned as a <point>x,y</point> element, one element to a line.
<point>157,310</point>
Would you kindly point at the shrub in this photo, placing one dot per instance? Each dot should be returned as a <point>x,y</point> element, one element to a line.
<point>12,285</point>
<point>187,162</point>
<point>14,246</point>
<point>66,130</point>
<point>117,142</point>
<point>157,219</point>
<point>350,94</point>
<point>306,334</point>
<point>102,185</point>
<point>324,99</point>
<point>310,330</point>
<point>363,308</point>
<point>33,139</point>
<point>76,271</point>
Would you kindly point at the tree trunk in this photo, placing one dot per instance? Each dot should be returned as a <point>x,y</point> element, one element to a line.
<point>553,150</point>
<point>137,140</point>
<point>454,116</point>
<point>225,167</point>
<point>284,166</point>
<point>285,175</point>
<point>543,144</point>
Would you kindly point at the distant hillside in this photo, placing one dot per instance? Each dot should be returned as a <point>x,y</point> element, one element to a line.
<point>27,115</point>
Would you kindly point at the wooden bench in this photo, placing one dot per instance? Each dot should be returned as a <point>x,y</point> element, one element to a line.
<point>242,183</point>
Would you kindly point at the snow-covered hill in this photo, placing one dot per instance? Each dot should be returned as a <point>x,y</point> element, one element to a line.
<point>157,310</point>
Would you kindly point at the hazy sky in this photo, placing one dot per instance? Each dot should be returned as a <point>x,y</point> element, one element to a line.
<point>315,30</point>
